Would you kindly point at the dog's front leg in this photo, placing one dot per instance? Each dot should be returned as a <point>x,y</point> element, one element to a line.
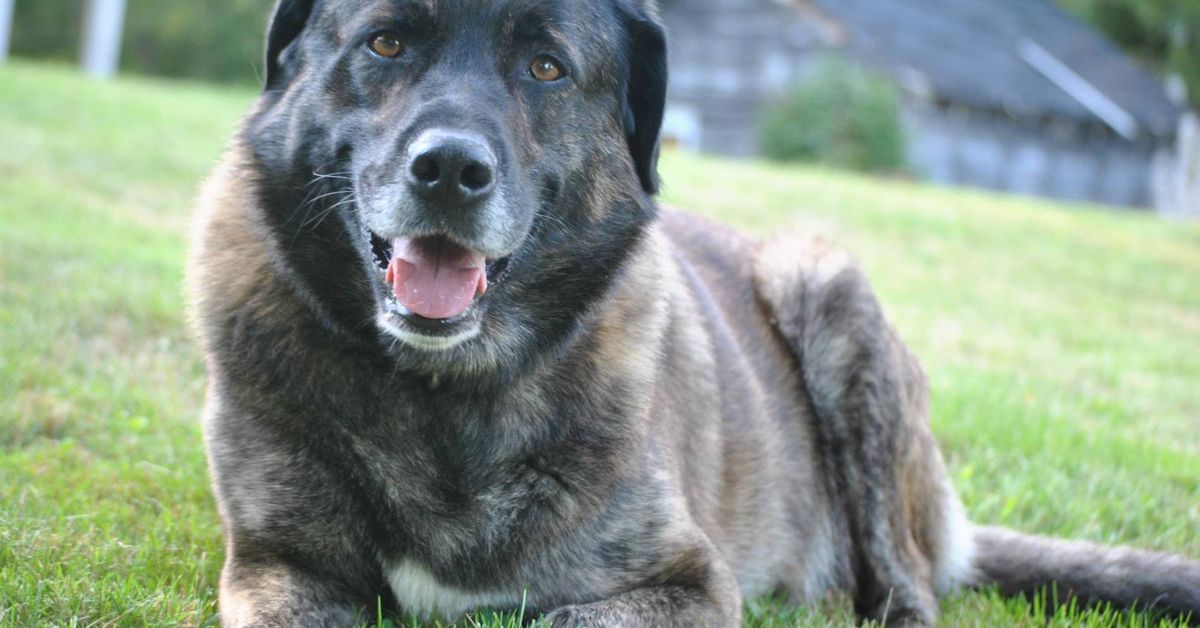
<point>700,591</point>
<point>271,593</point>
<point>651,606</point>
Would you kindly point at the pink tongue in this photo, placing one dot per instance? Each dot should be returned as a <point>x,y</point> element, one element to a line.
<point>434,278</point>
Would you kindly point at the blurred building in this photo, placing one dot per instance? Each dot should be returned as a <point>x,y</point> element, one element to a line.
<point>1012,95</point>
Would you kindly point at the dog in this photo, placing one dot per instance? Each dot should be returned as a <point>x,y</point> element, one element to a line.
<point>459,358</point>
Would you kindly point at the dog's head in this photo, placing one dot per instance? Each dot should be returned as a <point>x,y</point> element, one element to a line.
<point>490,164</point>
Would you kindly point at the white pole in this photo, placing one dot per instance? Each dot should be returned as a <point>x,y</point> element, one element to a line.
<point>102,24</point>
<point>6,20</point>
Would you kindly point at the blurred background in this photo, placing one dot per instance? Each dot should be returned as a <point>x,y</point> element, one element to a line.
<point>1019,178</point>
<point>1082,100</point>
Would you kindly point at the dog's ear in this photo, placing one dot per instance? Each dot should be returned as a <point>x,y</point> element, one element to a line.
<point>645,90</point>
<point>287,22</point>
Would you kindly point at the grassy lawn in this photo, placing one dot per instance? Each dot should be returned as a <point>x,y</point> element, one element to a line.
<point>1063,345</point>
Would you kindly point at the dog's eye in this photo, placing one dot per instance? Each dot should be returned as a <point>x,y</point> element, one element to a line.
<point>386,45</point>
<point>546,68</point>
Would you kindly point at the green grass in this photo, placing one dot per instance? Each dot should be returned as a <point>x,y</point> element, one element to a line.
<point>1063,346</point>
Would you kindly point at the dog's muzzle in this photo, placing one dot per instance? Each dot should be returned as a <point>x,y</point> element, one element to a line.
<point>451,171</point>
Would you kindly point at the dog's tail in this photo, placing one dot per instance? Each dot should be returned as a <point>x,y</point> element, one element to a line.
<point>1026,565</point>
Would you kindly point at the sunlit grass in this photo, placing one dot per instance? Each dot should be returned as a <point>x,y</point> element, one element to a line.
<point>1063,346</point>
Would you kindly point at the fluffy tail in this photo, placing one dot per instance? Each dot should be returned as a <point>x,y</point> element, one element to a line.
<point>1022,564</point>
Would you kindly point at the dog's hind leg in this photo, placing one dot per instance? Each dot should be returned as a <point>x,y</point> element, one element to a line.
<point>693,587</point>
<point>868,403</point>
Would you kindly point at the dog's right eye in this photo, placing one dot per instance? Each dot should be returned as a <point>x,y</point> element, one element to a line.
<point>386,44</point>
<point>546,69</point>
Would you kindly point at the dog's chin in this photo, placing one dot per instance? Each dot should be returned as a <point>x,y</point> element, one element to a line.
<point>428,335</point>
<point>403,327</point>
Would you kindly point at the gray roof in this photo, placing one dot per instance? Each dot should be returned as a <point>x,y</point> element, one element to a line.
<point>968,51</point>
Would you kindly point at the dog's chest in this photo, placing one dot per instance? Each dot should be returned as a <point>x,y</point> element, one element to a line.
<point>461,507</point>
<point>457,478</point>
<point>476,538</point>
<point>447,511</point>
<point>419,591</point>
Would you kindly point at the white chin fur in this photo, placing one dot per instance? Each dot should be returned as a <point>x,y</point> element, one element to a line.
<point>422,341</point>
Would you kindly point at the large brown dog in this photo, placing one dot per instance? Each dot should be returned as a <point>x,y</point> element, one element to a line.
<point>458,358</point>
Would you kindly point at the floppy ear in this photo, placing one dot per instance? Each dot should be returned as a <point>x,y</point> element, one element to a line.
<point>645,91</point>
<point>287,22</point>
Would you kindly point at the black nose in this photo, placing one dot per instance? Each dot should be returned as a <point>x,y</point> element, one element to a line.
<point>451,169</point>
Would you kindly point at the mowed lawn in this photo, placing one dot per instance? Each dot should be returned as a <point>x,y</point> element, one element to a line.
<point>1063,346</point>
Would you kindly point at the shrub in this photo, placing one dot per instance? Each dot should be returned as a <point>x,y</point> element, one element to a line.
<point>218,40</point>
<point>843,116</point>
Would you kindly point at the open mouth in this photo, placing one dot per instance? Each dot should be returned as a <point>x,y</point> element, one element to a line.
<point>432,281</point>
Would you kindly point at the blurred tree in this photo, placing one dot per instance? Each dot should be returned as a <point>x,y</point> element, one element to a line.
<point>218,40</point>
<point>843,116</point>
<point>48,29</point>
<point>1164,33</point>
<point>205,39</point>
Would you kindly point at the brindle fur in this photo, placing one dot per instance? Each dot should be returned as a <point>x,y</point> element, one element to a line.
<point>659,418</point>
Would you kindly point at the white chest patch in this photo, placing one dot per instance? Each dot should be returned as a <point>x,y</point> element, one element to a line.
<point>419,591</point>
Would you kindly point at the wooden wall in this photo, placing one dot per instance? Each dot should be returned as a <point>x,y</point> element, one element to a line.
<point>730,57</point>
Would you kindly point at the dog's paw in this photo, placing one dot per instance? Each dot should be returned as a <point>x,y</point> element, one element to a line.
<point>906,616</point>
<point>579,616</point>
<point>565,617</point>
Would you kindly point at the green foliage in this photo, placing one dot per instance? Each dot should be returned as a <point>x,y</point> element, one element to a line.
<point>47,29</point>
<point>1062,343</point>
<point>1165,33</point>
<point>845,116</point>
<point>216,40</point>
<point>208,39</point>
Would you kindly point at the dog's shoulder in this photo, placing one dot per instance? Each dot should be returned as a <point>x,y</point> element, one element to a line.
<point>228,257</point>
<point>232,272</point>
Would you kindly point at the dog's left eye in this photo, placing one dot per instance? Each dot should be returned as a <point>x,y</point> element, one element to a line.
<point>546,69</point>
<point>386,44</point>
